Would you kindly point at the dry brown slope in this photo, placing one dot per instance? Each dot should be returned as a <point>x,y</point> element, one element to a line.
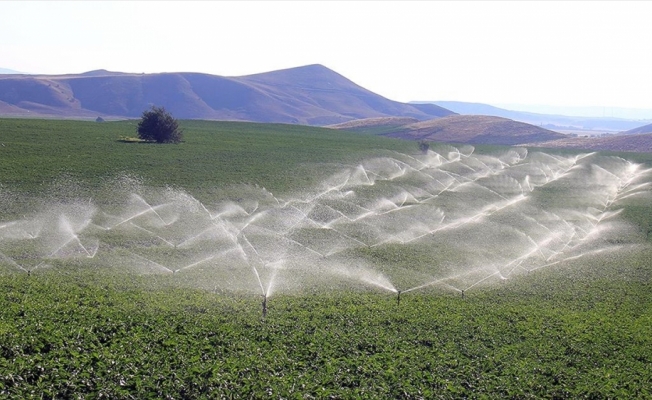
<point>639,130</point>
<point>478,129</point>
<point>378,122</point>
<point>641,143</point>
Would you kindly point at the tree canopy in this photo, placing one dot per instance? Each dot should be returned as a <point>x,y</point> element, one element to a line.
<point>158,125</point>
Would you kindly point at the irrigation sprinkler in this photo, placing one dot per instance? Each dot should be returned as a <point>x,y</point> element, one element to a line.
<point>398,297</point>
<point>264,305</point>
<point>462,291</point>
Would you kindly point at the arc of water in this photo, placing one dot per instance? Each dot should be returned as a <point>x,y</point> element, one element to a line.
<point>361,243</point>
<point>284,237</point>
<point>482,280</point>
<point>304,216</point>
<point>486,211</point>
<point>8,224</point>
<point>537,249</point>
<point>272,279</point>
<point>529,218</point>
<point>419,172</point>
<point>424,165</point>
<point>196,263</point>
<point>153,234</point>
<point>372,282</point>
<point>488,167</point>
<point>252,219</point>
<point>441,281</point>
<point>72,238</point>
<point>483,188</point>
<point>150,208</point>
<point>631,195</point>
<point>210,215</point>
<point>518,265</point>
<point>12,262</point>
<point>136,216</point>
<point>635,188</point>
<point>527,181</point>
<point>160,266</point>
<point>197,236</point>
<point>253,266</point>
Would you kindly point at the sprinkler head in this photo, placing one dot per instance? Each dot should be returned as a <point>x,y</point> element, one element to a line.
<point>264,305</point>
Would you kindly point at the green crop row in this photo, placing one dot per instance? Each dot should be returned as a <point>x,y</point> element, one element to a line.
<point>567,334</point>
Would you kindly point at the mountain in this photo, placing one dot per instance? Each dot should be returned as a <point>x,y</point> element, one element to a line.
<point>564,123</point>
<point>477,129</point>
<point>309,95</point>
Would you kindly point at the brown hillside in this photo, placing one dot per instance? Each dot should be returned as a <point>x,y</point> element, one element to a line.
<point>641,143</point>
<point>478,129</point>
<point>639,130</point>
<point>311,95</point>
<point>380,122</point>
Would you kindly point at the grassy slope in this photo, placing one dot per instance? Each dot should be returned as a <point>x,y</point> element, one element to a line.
<point>38,152</point>
<point>564,333</point>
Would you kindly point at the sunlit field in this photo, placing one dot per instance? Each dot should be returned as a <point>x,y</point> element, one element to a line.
<point>257,260</point>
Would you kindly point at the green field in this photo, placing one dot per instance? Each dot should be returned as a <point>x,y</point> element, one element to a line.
<point>134,270</point>
<point>37,153</point>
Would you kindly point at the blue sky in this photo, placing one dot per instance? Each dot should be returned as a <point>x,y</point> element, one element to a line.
<point>571,53</point>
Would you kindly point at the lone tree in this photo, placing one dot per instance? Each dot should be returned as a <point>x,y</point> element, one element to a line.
<point>158,125</point>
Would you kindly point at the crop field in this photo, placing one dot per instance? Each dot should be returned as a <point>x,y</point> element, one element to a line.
<point>259,260</point>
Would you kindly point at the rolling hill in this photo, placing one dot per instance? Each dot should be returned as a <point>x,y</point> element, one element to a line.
<point>374,125</point>
<point>641,143</point>
<point>639,130</point>
<point>478,129</point>
<point>308,95</point>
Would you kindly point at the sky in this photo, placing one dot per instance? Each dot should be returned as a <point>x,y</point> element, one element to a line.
<point>567,53</point>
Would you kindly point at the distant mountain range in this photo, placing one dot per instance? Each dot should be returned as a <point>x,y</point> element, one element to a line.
<point>549,121</point>
<point>309,95</point>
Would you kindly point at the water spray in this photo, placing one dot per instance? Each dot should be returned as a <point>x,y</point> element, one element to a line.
<point>356,219</point>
